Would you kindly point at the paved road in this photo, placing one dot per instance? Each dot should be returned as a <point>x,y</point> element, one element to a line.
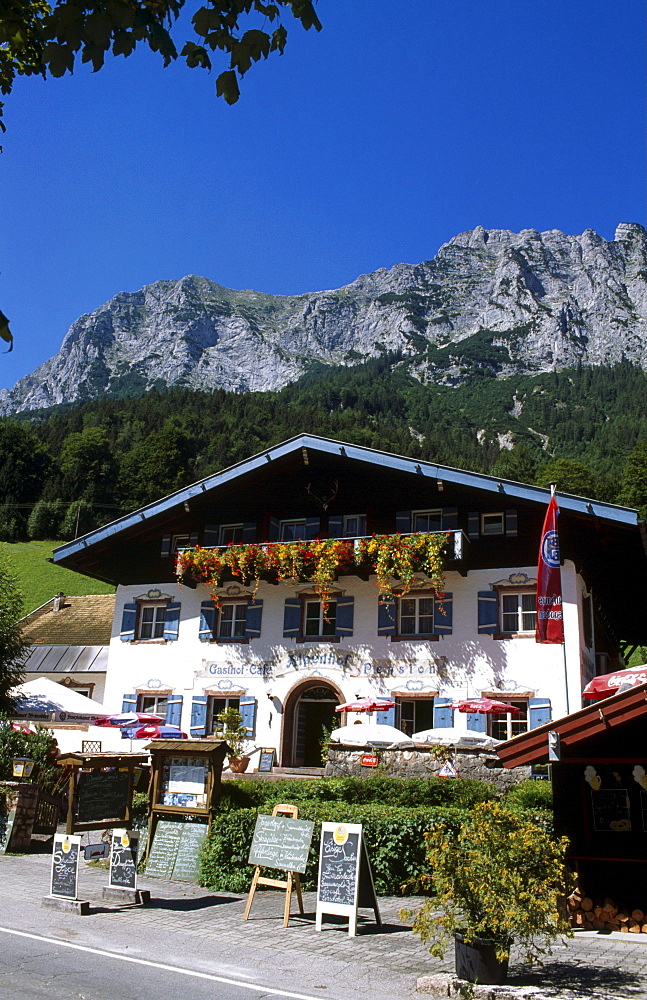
<point>189,928</point>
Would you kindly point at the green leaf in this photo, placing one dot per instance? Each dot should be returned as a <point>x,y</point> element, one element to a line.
<point>196,55</point>
<point>227,86</point>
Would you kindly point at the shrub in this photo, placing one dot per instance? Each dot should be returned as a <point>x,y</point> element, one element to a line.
<point>394,838</point>
<point>499,877</point>
<point>531,794</point>
<point>39,746</point>
<point>45,520</point>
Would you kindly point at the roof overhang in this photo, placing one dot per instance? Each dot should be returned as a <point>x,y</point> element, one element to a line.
<point>596,511</point>
<point>577,728</point>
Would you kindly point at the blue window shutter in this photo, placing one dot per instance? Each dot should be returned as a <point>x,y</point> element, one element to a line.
<point>128,622</point>
<point>194,538</point>
<point>211,535</point>
<point>129,703</point>
<point>292,618</point>
<point>166,547</point>
<point>511,523</point>
<point>336,525</point>
<point>443,714</point>
<point>313,527</point>
<point>473,525</point>
<point>386,618</point>
<point>174,710</point>
<point>254,617</point>
<point>345,615</point>
<point>274,529</point>
<point>172,621</point>
<point>403,521</point>
<point>249,532</point>
<point>198,716</point>
<point>207,621</point>
<point>488,612</point>
<point>443,622</point>
<point>449,519</point>
<point>248,712</point>
<point>477,722</point>
<point>539,711</point>
<point>386,718</point>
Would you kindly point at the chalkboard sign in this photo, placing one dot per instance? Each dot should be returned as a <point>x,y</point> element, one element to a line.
<point>102,796</point>
<point>345,877</point>
<point>281,842</point>
<point>6,829</point>
<point>65,865</point>
<point>266,760</point>
<point>123,860</point>
<point>175,850</point>
<point>611,810</point>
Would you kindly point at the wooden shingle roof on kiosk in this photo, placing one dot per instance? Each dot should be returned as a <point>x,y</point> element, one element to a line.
<point>602,730</point>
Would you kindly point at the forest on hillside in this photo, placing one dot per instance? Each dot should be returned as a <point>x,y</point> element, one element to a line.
<point>69,469</point>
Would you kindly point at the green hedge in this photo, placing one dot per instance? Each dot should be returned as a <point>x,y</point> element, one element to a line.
<point>394,836</point>
<point>403,792</point>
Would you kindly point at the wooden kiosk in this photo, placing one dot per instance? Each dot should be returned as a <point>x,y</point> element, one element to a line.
<point>184,789</point>
<point>599,777</point>
<point>100,788</point>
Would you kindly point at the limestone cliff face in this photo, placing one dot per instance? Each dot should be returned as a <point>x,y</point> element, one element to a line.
<point>516,302</point>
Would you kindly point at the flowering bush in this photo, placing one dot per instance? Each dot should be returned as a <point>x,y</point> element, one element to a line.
<point>393,558</point>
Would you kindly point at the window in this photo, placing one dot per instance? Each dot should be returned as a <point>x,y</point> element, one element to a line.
<point>354,525</point>
<point>426,520</point>
<point>416,615</point>
<point>151,621</point>
<point>292,531</point>
<point>153,703</point>
<point>232,621</point>
<point>415,715</point>
<point>214,707</point>
<point>230,534</point>
<point>180,542</point>
<point>315,623</point>
<point>504,727</point>
<point>493,524</point>
<point>518,612</point>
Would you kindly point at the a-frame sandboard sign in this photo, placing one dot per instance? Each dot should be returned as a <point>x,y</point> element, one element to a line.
<point>282,841</point>
<point>345,876</point>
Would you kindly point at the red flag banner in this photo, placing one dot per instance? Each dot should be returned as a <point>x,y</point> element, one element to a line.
<point>550,618</point>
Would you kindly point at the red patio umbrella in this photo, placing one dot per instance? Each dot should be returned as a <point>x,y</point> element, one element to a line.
<point>607,684</point>
<point>367,705</point>
<point>129,719</point>
<point>488,706</point>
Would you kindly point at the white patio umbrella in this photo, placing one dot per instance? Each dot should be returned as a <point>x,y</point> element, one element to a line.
<point>369,734</point>
<point>43,700</point>
<point>451,736</point>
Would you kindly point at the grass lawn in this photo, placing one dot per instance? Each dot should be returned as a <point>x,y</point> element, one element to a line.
<point>40,580</point>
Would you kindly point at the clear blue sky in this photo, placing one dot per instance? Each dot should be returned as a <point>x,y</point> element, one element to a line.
<point>372,142</point>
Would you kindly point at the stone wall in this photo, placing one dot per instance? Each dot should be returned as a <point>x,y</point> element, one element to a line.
<point>483,766</point>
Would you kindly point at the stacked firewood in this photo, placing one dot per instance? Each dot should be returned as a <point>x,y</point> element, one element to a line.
<point>605,915</point>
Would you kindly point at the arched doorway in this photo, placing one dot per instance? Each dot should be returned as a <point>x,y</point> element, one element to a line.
<point>308,710</point>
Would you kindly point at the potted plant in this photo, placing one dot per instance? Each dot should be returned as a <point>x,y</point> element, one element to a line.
<point>231,729</point>
<point>499,878</point>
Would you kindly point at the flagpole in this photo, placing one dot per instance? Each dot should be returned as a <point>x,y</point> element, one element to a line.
<point>553,490</point>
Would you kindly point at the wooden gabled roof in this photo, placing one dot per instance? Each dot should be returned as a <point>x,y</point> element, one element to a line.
<point>577,731</point>
<point>81,621</point>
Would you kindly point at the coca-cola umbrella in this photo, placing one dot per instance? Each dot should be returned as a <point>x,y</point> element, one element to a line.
<point>367,705</point>
<point>129,719</point>
<point>487,706</point>
<point>607,684</point>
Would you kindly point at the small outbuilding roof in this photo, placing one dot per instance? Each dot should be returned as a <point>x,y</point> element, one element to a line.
<point>578,731</point>
<point>80,621</point>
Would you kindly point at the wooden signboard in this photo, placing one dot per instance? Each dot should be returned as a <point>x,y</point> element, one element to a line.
<point>266,759</point>
<point>280,841</point>
<point>65,865</point>
<point>123,860</point>
<point>611,810</point>
<point>345,876</point>
<point>103,796</point>
<point>175,851</point>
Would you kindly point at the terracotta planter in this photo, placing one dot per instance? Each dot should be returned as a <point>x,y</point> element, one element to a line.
<point>477,962</point>
<point>238,764</point>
